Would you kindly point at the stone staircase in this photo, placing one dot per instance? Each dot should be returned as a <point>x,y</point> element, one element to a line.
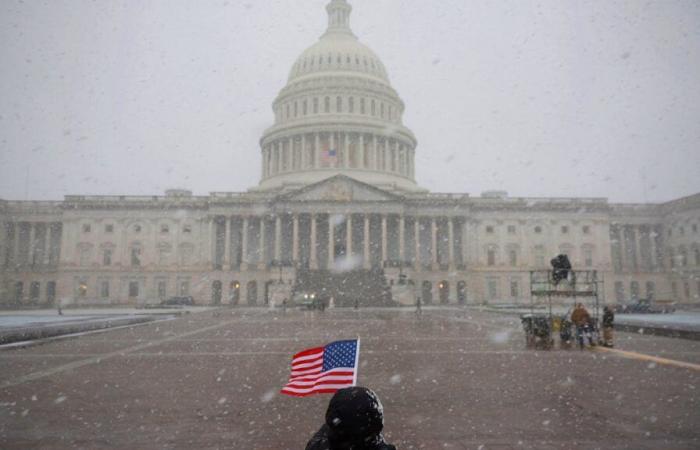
<point>366,287</point>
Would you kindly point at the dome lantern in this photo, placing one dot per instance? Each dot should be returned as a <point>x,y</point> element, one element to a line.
<point>339,17</point>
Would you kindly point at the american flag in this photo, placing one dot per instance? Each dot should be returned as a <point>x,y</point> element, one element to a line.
<point>324,370</point>
<point>328,157</point>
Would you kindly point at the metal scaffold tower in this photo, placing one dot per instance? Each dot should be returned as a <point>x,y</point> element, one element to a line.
<point>578,284</point>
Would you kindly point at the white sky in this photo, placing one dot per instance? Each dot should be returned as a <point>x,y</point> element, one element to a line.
<point>539,98</point>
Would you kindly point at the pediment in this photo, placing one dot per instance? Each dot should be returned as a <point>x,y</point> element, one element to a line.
<point>340,188</point>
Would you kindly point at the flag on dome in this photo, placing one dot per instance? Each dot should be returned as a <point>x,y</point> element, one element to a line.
<point>324,370</point>
<point>329,156</point>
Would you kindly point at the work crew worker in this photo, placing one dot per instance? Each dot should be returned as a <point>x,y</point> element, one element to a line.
<point>582,321</point>
<point>354,421</point>
<point>608,325</point>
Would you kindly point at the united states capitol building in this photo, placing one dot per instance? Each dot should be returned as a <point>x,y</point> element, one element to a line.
<point>338,198</point>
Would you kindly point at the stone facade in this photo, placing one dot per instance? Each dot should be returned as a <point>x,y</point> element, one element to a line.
<point>338,187</point>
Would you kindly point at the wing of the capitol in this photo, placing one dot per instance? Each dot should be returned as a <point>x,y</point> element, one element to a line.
<point>338,210</point>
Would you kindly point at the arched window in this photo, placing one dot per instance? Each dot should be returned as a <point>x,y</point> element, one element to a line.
<point>296,109</point>
<point>216,292</point>
<point>634,290</point>
<point>444,292</point>
<point>315,105</point>
<point>373,108</point>
<point>305,107</point>
<point>491,255</point>
<point>651,290</point>
<point>327,105</point>
<point>339,104</point>
<point>381,110</point>
<point>351,105</point>
<point>683,256</point>
<point>252,292</point>
<point>427,292</point>
<point>362,106</point>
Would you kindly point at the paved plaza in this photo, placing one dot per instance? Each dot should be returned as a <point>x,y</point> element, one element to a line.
<point>450,379</point>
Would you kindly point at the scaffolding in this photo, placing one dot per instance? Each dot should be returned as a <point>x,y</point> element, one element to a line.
<point>580,284</point>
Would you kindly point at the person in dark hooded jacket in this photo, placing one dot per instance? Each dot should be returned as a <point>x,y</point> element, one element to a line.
<point>354,421</point>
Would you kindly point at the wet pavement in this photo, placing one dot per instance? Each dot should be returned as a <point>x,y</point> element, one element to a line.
<point>450,379</point>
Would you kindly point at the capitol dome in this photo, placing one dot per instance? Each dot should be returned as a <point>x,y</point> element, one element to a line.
<point>338,114</point>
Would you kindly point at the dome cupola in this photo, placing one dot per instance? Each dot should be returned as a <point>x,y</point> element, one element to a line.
<point>338,114</point>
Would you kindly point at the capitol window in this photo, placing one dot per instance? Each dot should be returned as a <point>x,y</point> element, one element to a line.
<point>586,229</point>
<point>164,229</point>
<point>339,104</point>
<point>564,229</point>
<point>305,108</point>
<point>86,228</point>
<point>109,228</point>
<point>491,256</point>
<point>315,105</point>
<point>489,229</point>
<point>351,105</point>
<point>107,257</point>
<point>374,108</point>
<point>538,230</point>
<point>327,105</point>
<point>187,229</point>
<point>362,106</point>
<point>511,229</point>
<point>137,228</point>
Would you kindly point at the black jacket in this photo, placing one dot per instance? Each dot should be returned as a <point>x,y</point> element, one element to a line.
<point>320,441</point>
<point>354,421</point>
<point>608,318</point>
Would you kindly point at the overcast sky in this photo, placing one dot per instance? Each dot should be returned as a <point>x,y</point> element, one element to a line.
<point>539,98</point>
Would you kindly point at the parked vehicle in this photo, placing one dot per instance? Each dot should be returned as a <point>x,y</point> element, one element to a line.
<point>179,301</point>
<point>644,306</point>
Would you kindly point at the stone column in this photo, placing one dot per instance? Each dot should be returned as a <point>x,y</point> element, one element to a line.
<point>32,243</point>
<point>365,235</point>
<point>652,247</point>
<point>416,230</point>
<point>346,152</point>
<point>639,263</point>
<point>433,231</point>
<point>244,244</point>
<point>313,261</point>
<point>317,150</point>
<point>47,244</point>
<point>375,155</point>
<point>397,167</point>
<point>211,242</point>
<point>264,161</point>
<point>331,241</point>
<point>304,162</point>
<point>278,238</point>
<point>261,245</point>
<point>361,141</point>
<point>227,245</point>
<point>402,239</point>
<point>450,243</point>
<point>295,238</point>
<point>384,240</point>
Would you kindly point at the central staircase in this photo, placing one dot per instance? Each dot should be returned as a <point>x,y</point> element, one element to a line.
<point>361,287</point>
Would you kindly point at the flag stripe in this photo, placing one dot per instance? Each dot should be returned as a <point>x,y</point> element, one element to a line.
<point>323,374</point>
<point>306,355</point>
<point>322,380</point>
<point>313,388</point>
<point>308,365</point>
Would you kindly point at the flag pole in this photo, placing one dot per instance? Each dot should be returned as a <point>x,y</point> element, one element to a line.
<point>357,362</point>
